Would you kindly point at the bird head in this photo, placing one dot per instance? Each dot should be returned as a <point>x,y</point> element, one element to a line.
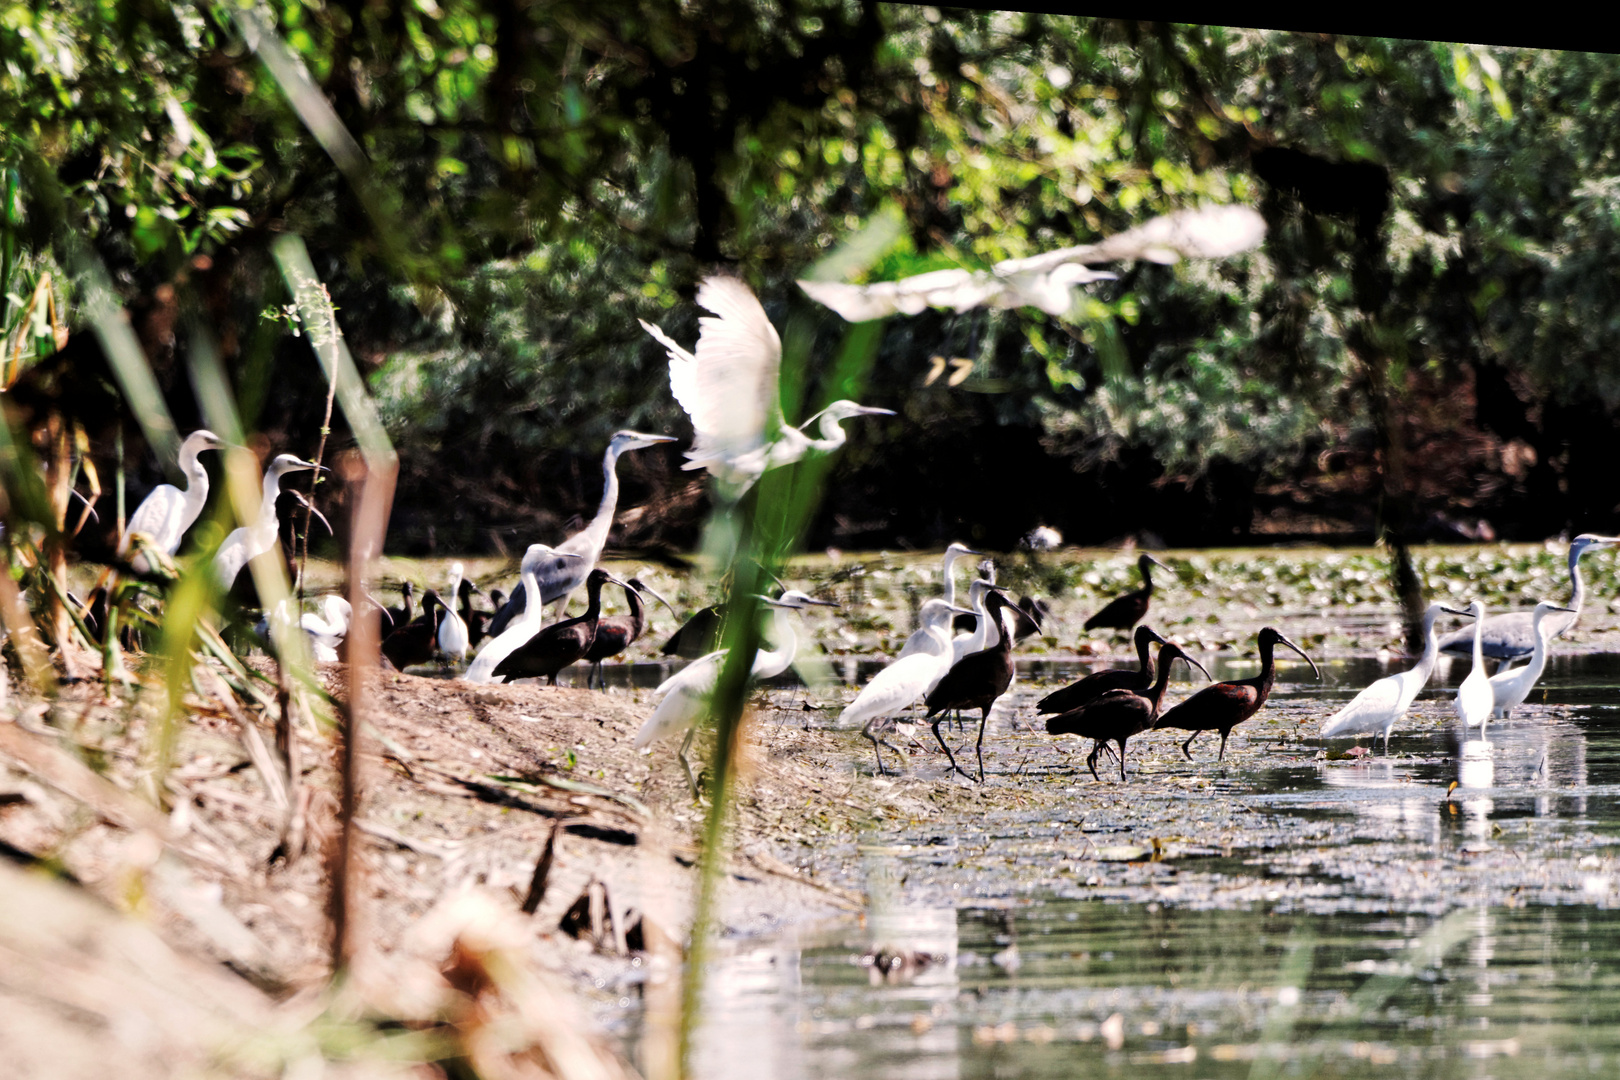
<point>1271,635</point>
<point>1146,560</point>
<point>797,600</point>
<point>1578,545</point>
<point>937,612</point>
<point>1546,607</point>
<point>538,553</point>
<point>641,587</point>
<point>1146,634</point>
<point>843,409</point>
<point>635,440</point>
<point>291,463</point>
<point>1170,652</point>
<point>203,439</point>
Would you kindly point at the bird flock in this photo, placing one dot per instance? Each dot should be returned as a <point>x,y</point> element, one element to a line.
<point>960,657</point>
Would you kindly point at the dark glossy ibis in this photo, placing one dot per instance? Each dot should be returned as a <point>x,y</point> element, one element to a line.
<point>400,617</point>
<point>978,679</point>
<point>1116,715</point>
<point>478,621</point>
<point>699,635</point>
<point>560,644</point>
<point>523,626</point>
<point>1225,705</point>
<point>618,633</point>
<point>415,642</point>
<point>1126,611</point>
<point>904,681</point>
<point>1099,683</point>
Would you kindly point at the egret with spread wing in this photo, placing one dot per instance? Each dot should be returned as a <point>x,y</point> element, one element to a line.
<point>728,386</point>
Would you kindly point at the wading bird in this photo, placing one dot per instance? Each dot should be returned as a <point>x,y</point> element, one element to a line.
<point>478,622</point>
<point>1511,636</point>
<point>248,542</point>
<point>1124,612</point>
<point>728,386</point>
<point>414,642</point>
<point>1116,715</point>
<point>910,677</point>
<point>402,615</point>
<point>1098,683</point>
<point>576,557</point>
<point>1225,705</point>
<point>699,635</point>
<point>978,679</point>
<point>453,635</point>
<point>1510,688</point>
<point>524,625</point>
<point>1381,705</point>
<point>686,694</point>
<point>1475,699</point>
<point>1048,281</point>
<point>556,646</point>
<point>617,634</point>
<point>924,639</point>
<point>326,630</point>
<point>164,515</point>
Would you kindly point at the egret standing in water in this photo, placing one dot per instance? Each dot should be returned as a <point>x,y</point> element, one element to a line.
<point>686,694</point>
<point>525,625</point>
<point>1475,699</point>
<point>728,386</point>
<point>164,515</point>
<point>1510,688</point>
<point>1382,704</point>
<point>1512,636</point>
<point>910,677</point>
<point>245,544</point>
<point>577,556</point>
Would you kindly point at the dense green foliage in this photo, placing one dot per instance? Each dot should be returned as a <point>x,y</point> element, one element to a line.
<point>1429,327</point>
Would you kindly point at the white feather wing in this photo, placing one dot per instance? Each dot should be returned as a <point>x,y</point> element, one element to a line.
<point>1369,711</point>
<point>159,517</point>
<point>733,389</point>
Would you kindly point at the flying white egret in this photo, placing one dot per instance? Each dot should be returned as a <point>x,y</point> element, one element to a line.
<point>453,639</point>
<point>1510,688</point>
<point>527,622</point>
<point>249,541</point>
<point>1047,281</point>
<point>908,679</point>
<point>923,639</point>
<point>728,386</point>
<point>165,514</point>
<point>1512,636</point>
<point>576,557</point>
<point>1381,705</point>
<point>686,694</point>
<point>1475,698</point>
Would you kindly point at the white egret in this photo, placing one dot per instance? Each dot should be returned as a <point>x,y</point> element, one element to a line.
<point>164,515</point>
<point>1047,281</point>
<point>326,630</point>
<point>1382,704</point>
<point>453,639</point>
<point>1475,699</point>
<point>249,541</point>
<point>987,632</point>
<point>923,639</point>
<point>1512,636</point>
<point>905,681</point>
<point>728,386</point>
<point>686,694</point>
<point>1510,688</point>
<point>576,557</point>
<point>526,623</point>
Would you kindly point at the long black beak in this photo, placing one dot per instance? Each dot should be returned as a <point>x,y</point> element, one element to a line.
<point>1454,611</point>
<point>1176,653</point>
<point>1314,669</point>
<point>643,587</point>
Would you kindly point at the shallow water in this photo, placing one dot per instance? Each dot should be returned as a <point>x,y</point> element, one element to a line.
<point>1302,916</point>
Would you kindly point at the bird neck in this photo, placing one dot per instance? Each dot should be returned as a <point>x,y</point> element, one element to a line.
<point>1479,634</point>
<point>1431,647</point>
<point>1144,657</point>
<point>638,610</point>
<point>196,480</point>
<point>602,523</point>
<point>465,597</point>
<point>1577,592</point>
<point>950,576</point>
<point>531,595</point>
<point>1156,695</point>
<point>593,601</point>
<point>1268,665</point>
<point>776,661</point>
<point>1147,577</point>
<point>832,435</point>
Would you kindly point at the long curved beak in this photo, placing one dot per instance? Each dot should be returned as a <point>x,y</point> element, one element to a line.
<point>1181,655</point>
<point>1314,669</point>
<point>643,587</point>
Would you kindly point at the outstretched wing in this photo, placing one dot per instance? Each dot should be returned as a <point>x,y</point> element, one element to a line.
<point>1046,281</point>
<point>734,390</point>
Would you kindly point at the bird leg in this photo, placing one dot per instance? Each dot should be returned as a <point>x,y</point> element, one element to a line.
<point>876,740</point>
<point>984,718</point>
<point>686,744</point>
<point>1122,761</point>
<point>948,755</point>
<point>1091,761</point>
<point>1222,755</point>
<point>1186,746</point>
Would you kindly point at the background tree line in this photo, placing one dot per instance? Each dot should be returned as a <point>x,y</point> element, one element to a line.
<point>1427,338</point>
